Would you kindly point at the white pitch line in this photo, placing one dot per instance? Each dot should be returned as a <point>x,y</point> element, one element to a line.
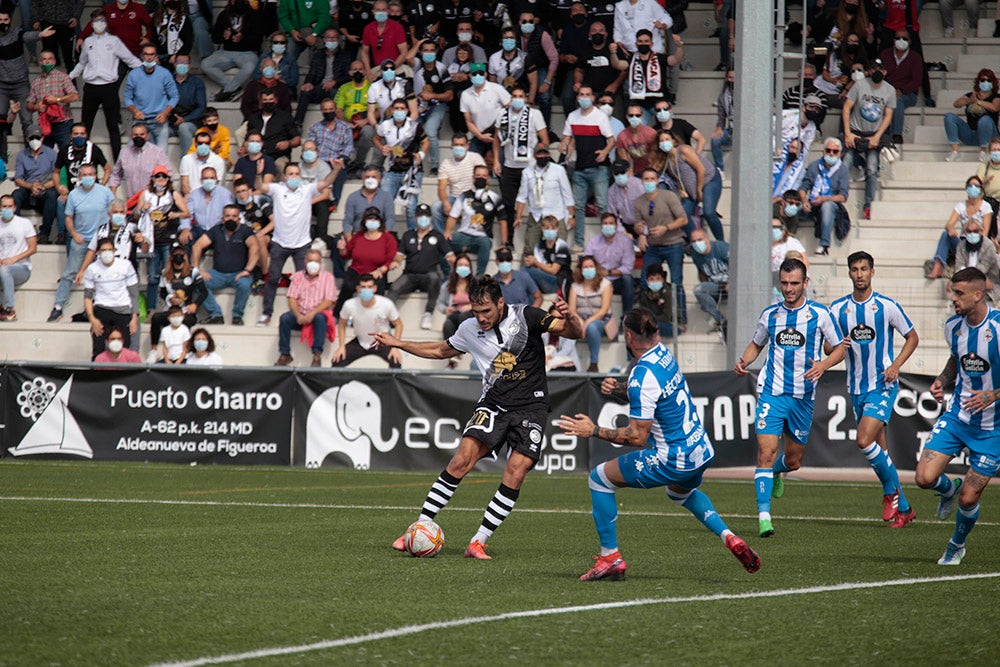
<point>551,611</point>
<point>407,508</point>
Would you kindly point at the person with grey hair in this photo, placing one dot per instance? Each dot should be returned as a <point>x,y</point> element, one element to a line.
<point>824,189</point>
<point>128,237</point>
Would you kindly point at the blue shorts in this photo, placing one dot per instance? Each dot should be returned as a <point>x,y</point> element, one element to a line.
<point>643,469</point>
<point>950,435</point>
<point>876,404</point>
<point>777,415</point>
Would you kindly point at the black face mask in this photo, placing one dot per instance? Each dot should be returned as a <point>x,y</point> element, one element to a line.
<point>329,116</point>
<point>231,225</point>
<point>358,77</point>
<point>850,10</point>
<point>644,48</point>
<point>480,183</point>
<point>212,126</point>
<point>852,48</point>
<point>138,142</point>
<point>792,157</point>
<point>877,76</point>
<point>597,40</point>
<point>814,116</point>
<point>579,19</point>
<point>177,260</point>
<point>807,82</point>
<point>268,107</point>
<point>4,27</point>
<point>542,161</point>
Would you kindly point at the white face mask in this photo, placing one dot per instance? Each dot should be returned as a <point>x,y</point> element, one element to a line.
<point>902,44</point>
<point>107,256</point>
<point>35,144</point>
<point>371,183</point>
<point>857,75</point>
<point>176,321</point>
<point>116,345</point>
<point>312,268</point>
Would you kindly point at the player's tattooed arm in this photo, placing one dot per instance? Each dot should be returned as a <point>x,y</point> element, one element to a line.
<point>636,434</point>
<point>946,378</point>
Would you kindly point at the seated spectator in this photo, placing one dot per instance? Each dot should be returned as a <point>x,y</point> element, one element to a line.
<point>202,351</point>
<point>185,288</point>
<point>982,108</point>
<point>369,313</point>
<point>36,188</point>
<point>174,338</point>
<point>115,350</point>
<point>515,284</point>
<point>239,29</point>
<point>278,131</point>
<point>783,243</point>
<point>560,352</point>
<point>351,101</point>
<point>711,258</point>
<point>190,110</point>
<point>973,208</point>
<point>234,258</point>
<point>311,295</point>
<point>838,77</point>
<point>286,64</point>
<point>824,191</point>
<point>474,213</point>
<point>17,244</point>
<point>793,96</point>
<point>904,70</point>
<point>50,96</point>
<point>725,110</point>
<point>614,252</point>
<point>268,84</point>
<point>460,71</point>
<point>205,205</point>
<point>454,178</point>
<point>110,297</point>
<point>328,69</point>
<point>977,251</point>
<point>989,173</point>
<point>421,252</point>
<point>636,142</point>
<point>625,188</point>
<point>590,300</point>
<point>453,299</point>
<point>304,22</point>
<point>787,208</point>
<point>798,131</point>
<point>127,236</point>
<point>334,145</point>
<point>657,297</point>
<point>371,252</point>
<point>404,143</point>
<point>254,166</point>
<point>549,265</point>
<point>192,164</point>
<point>546,192</point>
<point>219,134</point>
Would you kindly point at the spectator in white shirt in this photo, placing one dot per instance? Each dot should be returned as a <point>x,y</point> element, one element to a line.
<point>454,178</point>
<point>110,296</point>
<point>481,104</point>
<point>546,190</point>
<point>18,243</point>
<point>193,163</point>
<point>369,313</point>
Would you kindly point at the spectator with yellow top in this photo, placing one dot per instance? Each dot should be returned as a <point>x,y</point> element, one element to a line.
<point>352,106</point>
<point>220,134</point>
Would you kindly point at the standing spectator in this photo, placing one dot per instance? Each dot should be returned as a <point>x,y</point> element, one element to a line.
<point>464,34</point>
<point>520,131</point>
<point>711,258</point>
<point>634,16</point>
<point>63,16</point>
<point>696,181</point>
<point>115,351</point>
<point>129,21</point>
<point>824,190</point>
<point>17,244</point>
<point>277,129</point>
<point>191,102</point>
<point>51,94</point>
<point>238,29</point>
<point>110,297</point>
<point>636,142</point>
<point>588,131</point>
<point>102,56</point>
<point>311,294</point>
<point>192,164</point>
<point>646,71</point>
<point>257,213</point>
<point>508,66</point>
<point>726,112</point>
<point>540,54</point>
<point>383,39</point>
<point>352,106</point>
<point>33,176</point>
<point>867,115</point>
<point>982,108</point>
<point>625,189</point>
<point>614,252</point>
<point>328,69</point>
<point>151,95</point>
<point>235,255</point>
<point>460,72</point>
<point>421,252</point>
<point>454,178</point>
<point>162,209</point>
<point>185,288</point>
<point>14,84</point>
<point>385,90</point>
<point>594,67</point>
<point>590,300</point>
<point>436,92</point>
<point>977,251</point>
<point>905,15</point>
<point>682,129</point>
<point>403,142</point>
<point>481,105</point>
<point>475,212</point>
<point>203,349</point>
<point>546,191</point>
<point>515,284</point>
<point>660,224</point>
<point>303,20</point>
<point>78,151</point>
<point>369,313</point>
<point>334,146</point>
<point>314,170</point>
<point>126,235</point>
<point>904,71</point>
<point>287,66</point>
<point>549,264</point>
<point>371,252</point>
<point>136,163</point>
<point>173,31</point>
<point>255,167</point>
<point>948,19</point>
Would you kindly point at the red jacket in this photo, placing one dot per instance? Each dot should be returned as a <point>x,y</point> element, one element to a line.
<point>905,76</point>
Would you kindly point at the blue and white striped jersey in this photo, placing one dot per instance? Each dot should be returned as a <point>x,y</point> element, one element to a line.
<point>795,336</point>
<point>869,327</point>
<point>977,354</point>
<point>658,391</point>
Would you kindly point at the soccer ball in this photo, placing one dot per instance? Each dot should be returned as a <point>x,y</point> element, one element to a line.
<point>423,539</point>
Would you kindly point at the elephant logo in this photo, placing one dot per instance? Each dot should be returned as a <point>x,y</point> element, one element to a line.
<point>346,420</point>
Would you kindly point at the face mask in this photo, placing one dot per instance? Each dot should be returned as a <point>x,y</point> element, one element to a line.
<point>542,161</point>
<point>176,321</point>
<point>607,108</point>
<point>579,19</point>
<point>597,39</point>
<point>479,183</point>
<point>459,152</point>
<point>159,188</point>
<point>973,191</point>
<point>791,210</point>
<point>278,48</point>
<point>370,183</point>
<point>666,146</point>
<point>609,230</point>
<point>877,76</point>
<point>389,75</point>
<point>814,115</point>
<point>585,103</point>
<point>117,219</point>
<point>589,273</point>
<point>831,160</point>
<point>381,17</point>
<point>644,48</point>
<point>428,57</point>
<point>358,77</point>
<point>478,79</point>
<point>309,156</point>
<point>777,233</point>
<point>331,46</point>
<point>99,27</point>
<point>505,267</point>
<point>550,234</point>
<point>244,202</point>
<point>857,75</point>
<point>367,294</point>
<point>852,48</point>
<point>850,10</point>
<point>294,182</point>
<point>200,344</point>
<point>372,225</point>
<point>329,116</point>
<point>35,144</point>
<point>465,37</point>
<point>254,147</point>
<point>139,142</point>
<point>231,225</point>
<point>87,181</point>
<point>902,44</point>
<point>792,157</point>
<point>203,150</point>
<point>268,107</point>
<point>107,256</point>
<point>700,247</point>
<point>650,188</point>
<point>463,271</point>
<point>973,238</point>
<point>115,346</point>
<point>517,103</point>
<point>149,65</point>
<point>508,44</point>
<point>995,156</point>
<point>79,142</point>
<point>177,260</point>
<point>268,72</point>
<point>656,287</point>
<point>208,184</point>
<point>986,86</point>
<point>399,116</point>
<point>48,68</point>
<point>7,213</point>
<point>621,179</point>
<point>527,28</point>
<point>423,222</point>
<point>182,69</point>
<point>663,115</point>
<point>634,121</point>
<point>312,268</point>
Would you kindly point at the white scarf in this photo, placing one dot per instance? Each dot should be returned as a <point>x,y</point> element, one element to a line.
<point>645,81</point>
<point>517,132</point>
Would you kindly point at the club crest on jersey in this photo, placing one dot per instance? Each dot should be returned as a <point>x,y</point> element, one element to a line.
<point>974,365</point>
<point>863,334</point>
<point>505,361</point>
<point>790,338</point>
<point>988,335</point>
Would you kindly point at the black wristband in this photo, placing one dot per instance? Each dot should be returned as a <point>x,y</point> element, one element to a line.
<point>596,430</point>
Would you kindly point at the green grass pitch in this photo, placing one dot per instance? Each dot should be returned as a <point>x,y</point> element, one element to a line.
<point>260,559</point>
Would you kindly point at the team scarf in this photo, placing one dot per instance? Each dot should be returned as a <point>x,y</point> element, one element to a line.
<point>518,133</point>
<point>410,186</point>
<point>787,175</point>
<point>645,81</point>
<point>823,186</point>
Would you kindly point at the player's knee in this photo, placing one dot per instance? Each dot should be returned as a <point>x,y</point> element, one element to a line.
<point>598,480</point>
<point>924,479</point>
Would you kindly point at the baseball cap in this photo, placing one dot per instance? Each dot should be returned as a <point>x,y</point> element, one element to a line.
<point>620,167</point>
<point>877,63</point>
<point>813,99</point>
<point>388,62</point>
<point>161,169</point>
<point>504,255</point>
<point>33,131</point>
<point>423,209</point>
<point>477,67</point>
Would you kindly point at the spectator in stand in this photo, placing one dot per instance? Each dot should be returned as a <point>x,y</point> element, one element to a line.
<point>238,28</point>
<point>549,264</point>
<point>278,130</point>
<point>588,131</point>
<point>594,67</point>
<point>151,96</point>
<point>657,297</point>
<point>383,93</point>
<point>948,19</point>
<point>257,212</point>
<point>304,21</point>
<point>328,69</point>
<point>711,258</point>
<point>519,132</point>
<point>194,163</point>
<point>185,289</point>
<point>128,238</point>
<point>634,16</point>
<point>314,170</point>
<point>35,185</point>
<point>726,111</point>
<point>464,34</point>
<point>102,57</point>
<point>475,212</point>
<point>455,177</point>
<point>848,17</point>
<point>87,209</point>
<point>79,151</point>
<point>369,313</point>
<point>235,255</point>
<point>371,252</point>
<point>637,141</point>
<point>646,69</point>
<point>64,19</point>
<point>135,164</point>
<point>838,75</point>
<point>546,192</point>
<point>110,297</point>
<point>606,105</point>
<point>989,171</point>
<point>268,82</point>
<point>516,285</point>
<point>974,208</point>
<point>904,71</point>
<point>334,146</point>
<point>615,254</point>
<point>509,66</point>
<point>660,224</point>
<point>128,21</point>
<point>369,195</point>
<point>287,66</point>
<point>693,177</point>
<point>540,52</point>
<point>436,92</point>
<point>352,19</point>
<point>824,189</point>
<point>624,190</point>
<point>975,250</point>
<point>788,209</point>
<point>115,351</point>
<point>352,107</point>
<point>15,86</point>
<point>383,39</point>
<point>403,141</point>
<point>191,102</point>
<point>203,349</point>
<point>904,15</point>
<point>685,131</point>
<point>867,116</point>
<point>590,300</point>
<point>17,244</point>
<point>206,206</point>
<point>782,243</point>
<point>164,210</point>
<point>982,108</point>
<point>50,97</point>
<point>481,104</point>
<point>173,32</point>
<point>793,96</point>
<point>453,299</point>
<point>798,130</point>
<point>421,253</point>
<point>311,294</point>
<point>174,339</point>
<point>254,166</point>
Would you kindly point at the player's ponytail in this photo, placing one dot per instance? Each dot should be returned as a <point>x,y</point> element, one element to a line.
<point>642,323</point>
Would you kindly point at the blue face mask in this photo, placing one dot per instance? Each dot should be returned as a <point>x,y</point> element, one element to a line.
<point>182,69</point>
<point>279,49</point>
<point>268,72</point>
<point>995,156</point>
<point>208,184</point>
<point>381,17</point>
<point>389,75</point>
<point>7,214</point>
<point>87,181</point>
<point>588,273</point>
<point>791,210</point>
<point>149,65</point>
<point>508,44</point>
<point>986,86</point>
<point>331,46</point>
<point>309,156</point>
<point>254,147</point>
<point>528,28</point>
<point>609,230</point>
<point>777,233</point>
<point>634,121</point>
<point>79,142</point>
<point>200,344</point>
<point>585,103</point>
<point>663,115</point>
<point>517,103</point>
<point>550,234</point>
<point>428,56</point>
<point>399,116</point>
<point>366,293</point>
<point>478,79</point>
<point>666,146</point>
<point>831,160</point>
<point>294,182</point>
<point>505,267</point>
<point>463,271</point>
<point>621,179</point>
<point>459,151</point>
<point>372,225</point>
<point>423,221</point>
<point>650,188</point>
<point>117,219</point>
<point>973,191</point>
<point>700,247</point>
<point>974,238</point>
<point>203,150</point>
<point>656,287</point>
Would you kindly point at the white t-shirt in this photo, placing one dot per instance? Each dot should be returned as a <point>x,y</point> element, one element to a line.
<point>779,251</point>
<point>14,237</point>
<point>292,213</point>
<point>191,166</point>
<point>484,106</point>
<point>378,317</point>
<point>964,218</point>
<point>111,283</point>
<point>174,339</point>
<point>210,359</point>
<point>507,126</point>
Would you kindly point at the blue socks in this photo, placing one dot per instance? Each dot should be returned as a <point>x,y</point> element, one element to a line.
<point>779,466</point>
<point>885,470</point>
<point>965,521</point>
<point>944,486</point>
<point>763,482</point>
<point>700,505</point>
<point>605,509</point>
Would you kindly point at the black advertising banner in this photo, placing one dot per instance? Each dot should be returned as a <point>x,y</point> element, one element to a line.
<point>183,416</point>
<point>412,422</point>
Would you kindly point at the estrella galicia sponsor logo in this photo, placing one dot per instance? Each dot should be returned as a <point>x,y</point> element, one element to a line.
<point>863,334</point>
<point>974,365</point>
<point>790,338</point>
<point>346,420</point>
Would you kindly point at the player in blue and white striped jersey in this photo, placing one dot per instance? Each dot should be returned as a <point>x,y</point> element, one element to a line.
<point>797,331</point>
<point>870,321</point>
<point>973,335</point>
<point>661,416</point>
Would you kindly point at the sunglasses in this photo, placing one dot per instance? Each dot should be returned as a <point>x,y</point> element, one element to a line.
<point>831,151</point>
<point>280,42</point>
<point>635,115</point>
<point>160,176</point>
<point>652,205</point>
